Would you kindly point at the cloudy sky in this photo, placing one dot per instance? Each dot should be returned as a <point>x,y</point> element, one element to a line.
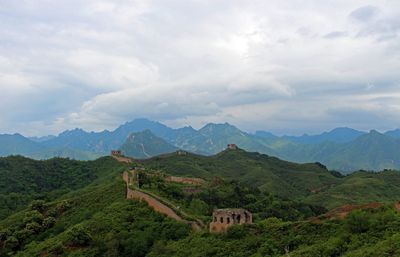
<point>286,66</point>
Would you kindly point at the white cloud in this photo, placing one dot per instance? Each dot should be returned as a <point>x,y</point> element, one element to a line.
<point>260,64</point>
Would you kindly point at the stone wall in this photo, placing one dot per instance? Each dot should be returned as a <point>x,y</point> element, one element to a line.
<point>184,180</point>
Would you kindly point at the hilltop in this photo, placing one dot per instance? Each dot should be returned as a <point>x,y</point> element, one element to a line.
<point>311,182</point>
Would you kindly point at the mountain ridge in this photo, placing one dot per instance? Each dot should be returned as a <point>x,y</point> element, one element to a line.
<point>211,139</point>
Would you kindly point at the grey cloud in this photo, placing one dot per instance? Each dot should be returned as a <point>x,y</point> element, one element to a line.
<point>336,34</point>
<point>187,62</point>
<point>364,13</point>
<point>383,24</point>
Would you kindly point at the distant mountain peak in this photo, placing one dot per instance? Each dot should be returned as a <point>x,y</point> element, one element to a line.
<point>337,135</point>
<point>375,132</point>
<point>145,144</point>
<point>73,131</point>
<point>209,126</point>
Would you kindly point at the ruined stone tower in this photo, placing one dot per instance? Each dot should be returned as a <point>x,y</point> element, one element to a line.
<point>232,147</point>
<point>116,153</point>
<point>222,219</point>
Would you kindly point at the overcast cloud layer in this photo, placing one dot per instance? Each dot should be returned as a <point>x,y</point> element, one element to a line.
<point>287,66</point>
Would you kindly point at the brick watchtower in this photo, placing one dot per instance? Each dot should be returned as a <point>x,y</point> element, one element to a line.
<point>225,218</point>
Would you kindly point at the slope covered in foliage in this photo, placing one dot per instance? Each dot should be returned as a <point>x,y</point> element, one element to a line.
<point>311,183</point>
<point>23,179</point>
<point>86,213</point>
<point>367,233</point>
<point>270,174</point>
<point>94,221</point>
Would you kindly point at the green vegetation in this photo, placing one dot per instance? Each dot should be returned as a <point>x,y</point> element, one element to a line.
<point>72,208</point>
<point>361,234</point>
<point>94,221</point>
<point>200,201</point>
<point>23,179</point>
<point>258,170</point>
<point>307,183</point>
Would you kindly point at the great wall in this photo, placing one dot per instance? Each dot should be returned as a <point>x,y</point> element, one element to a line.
<point>159,205</point>
<point>167,208</point>
<point>152,202</point>
<point>222,219</point>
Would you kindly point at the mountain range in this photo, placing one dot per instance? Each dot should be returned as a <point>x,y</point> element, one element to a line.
<point>342,149</point>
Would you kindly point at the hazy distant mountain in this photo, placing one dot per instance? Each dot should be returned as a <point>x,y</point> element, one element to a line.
<point>17,144</point>
<point>145,144</point>
<point>264,134</point>
<point>105,141</point>
<point>80,139</point>
<point>370,151</point>
<point>337,135</point>
<point>139,125</point>
<point>393,133</point>
<point>343,149</point>
<point>217,136</point>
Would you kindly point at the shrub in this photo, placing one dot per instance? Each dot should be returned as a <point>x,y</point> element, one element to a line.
<point>56,249</point>
<point>34,227</point>
<point>49,222</point>
<point>358,222</point>
<point>33,216</point>
<point>78,236</point>
<point>37,205</point>
<point>11,243</point>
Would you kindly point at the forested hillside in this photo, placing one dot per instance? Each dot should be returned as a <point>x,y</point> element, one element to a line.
<point>23,179</point>
<point>311,183</point>
<point>80,208</point>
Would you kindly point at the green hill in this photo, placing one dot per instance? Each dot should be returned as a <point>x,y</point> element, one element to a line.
<point>311,183</point>
<point>270,174</point>
<point>96,220</point>
<point>23,179</point>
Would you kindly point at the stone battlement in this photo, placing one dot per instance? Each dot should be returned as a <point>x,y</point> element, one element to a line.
<point>222,219</point>
<point>232,147</point>
<point>116,153</point>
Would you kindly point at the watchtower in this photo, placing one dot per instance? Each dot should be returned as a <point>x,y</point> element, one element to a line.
<point>232,147</point>
<point>222,219</point>
<point>116,153</point>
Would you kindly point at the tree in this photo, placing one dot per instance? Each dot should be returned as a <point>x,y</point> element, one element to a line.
<point>78,236</point>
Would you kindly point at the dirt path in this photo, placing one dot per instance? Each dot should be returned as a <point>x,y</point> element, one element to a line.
<point>157,205</point>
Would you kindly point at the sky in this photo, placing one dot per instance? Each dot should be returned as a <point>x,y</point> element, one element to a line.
<point>285,66</point>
